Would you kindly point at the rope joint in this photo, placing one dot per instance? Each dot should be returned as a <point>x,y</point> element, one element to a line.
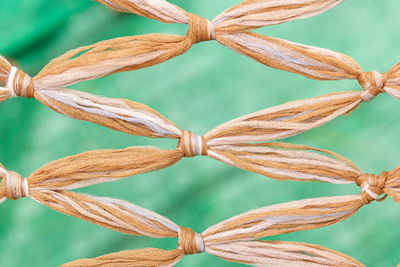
<point>190,241</point>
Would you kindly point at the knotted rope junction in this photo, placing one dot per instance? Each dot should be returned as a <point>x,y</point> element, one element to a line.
<point>231,142</point>
<point>235,239</point>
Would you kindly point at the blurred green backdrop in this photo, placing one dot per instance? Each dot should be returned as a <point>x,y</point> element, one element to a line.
<point>211,84</point>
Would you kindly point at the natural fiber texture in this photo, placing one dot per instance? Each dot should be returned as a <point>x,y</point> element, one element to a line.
<point>230,28</point>
<point>228,239</point>
<point>276,160</point>
<point>235,239</point>
<point>232,239</point>
<point>229,142</point>
<point>132,53</point>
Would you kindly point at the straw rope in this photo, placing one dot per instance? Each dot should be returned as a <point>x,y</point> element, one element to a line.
<point>228,239</point>
<point>232,239</point>
<point>228,143</point>
<point>235,239</point>
<point>230,28</point>
<point>132,53</point>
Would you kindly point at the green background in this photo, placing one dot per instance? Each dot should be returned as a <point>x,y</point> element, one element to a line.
<point>208,85</point>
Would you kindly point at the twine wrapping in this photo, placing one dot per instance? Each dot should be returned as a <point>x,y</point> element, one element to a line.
<point>235,239</point>
<point>132,53</point>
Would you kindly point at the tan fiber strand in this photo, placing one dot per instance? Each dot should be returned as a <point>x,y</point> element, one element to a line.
<point>13,186</point>
<point>279,253</point>
<point>117,114</point>
<point>229,28</point>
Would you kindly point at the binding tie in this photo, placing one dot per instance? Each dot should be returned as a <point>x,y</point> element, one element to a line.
<point>190,241</point>
<point>19,84</point>
<point>200,29</point>
<point>373,84</point>
<point>372,187</point>
<point>192,144</point>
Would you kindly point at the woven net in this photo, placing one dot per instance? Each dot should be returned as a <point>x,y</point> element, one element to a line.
<point>248,142</point>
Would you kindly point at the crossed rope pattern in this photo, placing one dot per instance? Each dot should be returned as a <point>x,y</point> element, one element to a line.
<point>235,239</point>
<point>230,142</point>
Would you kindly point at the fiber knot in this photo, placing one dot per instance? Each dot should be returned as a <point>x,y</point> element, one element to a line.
<point>14,186</point>
<point>190,241</point>
<point>200,29</point>
<point>192,144</point>
<point>373,83</point>
<point>19,83</point>
<point>372,186</point>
